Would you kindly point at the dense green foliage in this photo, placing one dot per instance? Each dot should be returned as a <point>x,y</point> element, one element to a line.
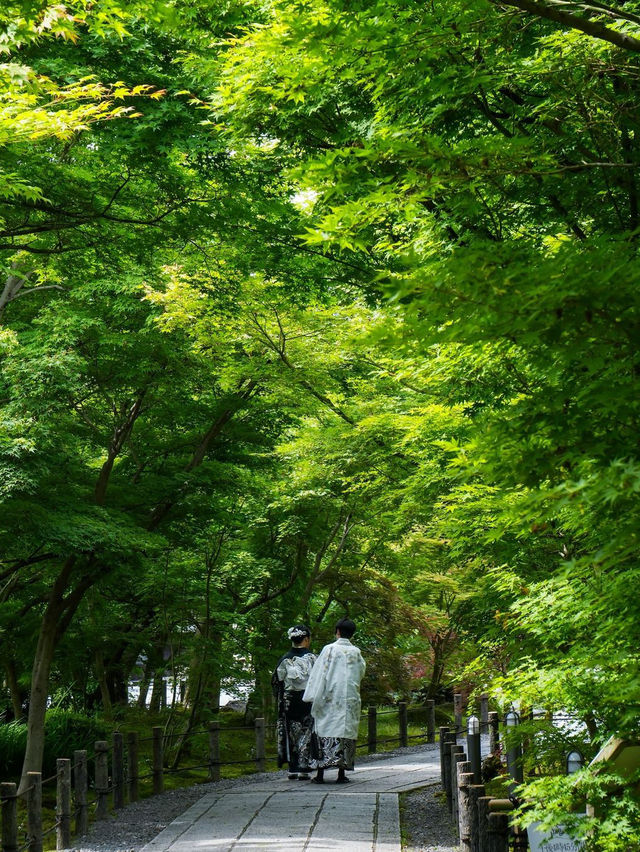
<point>319,307</point>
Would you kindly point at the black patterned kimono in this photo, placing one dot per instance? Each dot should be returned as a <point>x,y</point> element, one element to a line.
<point>294,725</point>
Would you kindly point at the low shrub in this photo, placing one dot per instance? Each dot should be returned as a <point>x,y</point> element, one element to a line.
<point>64,732</point>
<point>13,741</point>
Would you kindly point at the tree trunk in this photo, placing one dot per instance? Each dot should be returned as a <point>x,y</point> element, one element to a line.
<point>145,682</point>
<point>215,670</point>
<point>205,693</point>
<point>437,671</point>
<point>102,682</point>
<point>39,691</point>
<point>61,607</point>
<point>18,694</point>
<point>119,687</point>
<point>156,695</point>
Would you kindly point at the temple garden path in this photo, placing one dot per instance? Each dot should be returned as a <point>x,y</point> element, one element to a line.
<point>277,815</point>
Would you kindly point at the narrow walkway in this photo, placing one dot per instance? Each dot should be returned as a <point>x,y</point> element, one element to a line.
<point>277,815</point>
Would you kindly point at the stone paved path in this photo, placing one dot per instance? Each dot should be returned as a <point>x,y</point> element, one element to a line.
<point>277,815</point>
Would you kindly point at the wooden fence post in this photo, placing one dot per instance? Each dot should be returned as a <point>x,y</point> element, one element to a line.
<point>9,799</point>
<point>460,765</point>
<point>214,751</point>
<point>403,724</point>
<point>133,766</point>
<point>80,787</point>
<point>494,732</point>
<point>102,778</point>
<point>457,755</point>
<point>476,791</point>
<point>457,711</point>
<point>260,750</point>
<point>443,731</point>
<point>117,770</point>
<point>63,803</point>
<point>465,780</point>
<point>483,823</point>
<point>34,811</point>
<point>498,832</point>
<point>431,721</point>
<point>449,743</point>
<point>158,760</point>
<point>372,729</point>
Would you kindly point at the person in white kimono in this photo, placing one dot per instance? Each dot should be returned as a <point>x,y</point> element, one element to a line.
<point>294,724</point>
<point>334,690</point>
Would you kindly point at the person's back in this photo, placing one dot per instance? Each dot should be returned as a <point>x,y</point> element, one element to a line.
<point>294,724</point>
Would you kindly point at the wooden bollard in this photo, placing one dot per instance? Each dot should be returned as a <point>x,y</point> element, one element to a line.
<point>63,803</point>
<point>483,823</point>
<point>372,728</point>
<point>494,732</point>
<point>403,724</point>
<point>9,799</point>
<point>498,832</point>
<point>158,760</point>
<point>449,743</point>
<point>133,767</point>
<point>260,748</point>
<point>117,770</point>
<point>457,711</point>
<point>214,751</point>
<point>431,721</point>
<point>476,791</point>
<point>80,788</point>
<point>446,763</point>
<point>442,732</point>
<point>102,778</point>
<point>456,755</point>
<point>465,780</point>
<point>34,811</point>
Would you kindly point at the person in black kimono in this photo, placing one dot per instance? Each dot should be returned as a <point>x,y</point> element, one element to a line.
<point>294,725</point>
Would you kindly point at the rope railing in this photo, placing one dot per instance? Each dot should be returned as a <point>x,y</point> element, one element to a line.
<point>511,737</point>
<point>116,765</point>
<point>116,771</point>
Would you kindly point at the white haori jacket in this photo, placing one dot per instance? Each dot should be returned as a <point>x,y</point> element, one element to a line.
<point>334,690</point>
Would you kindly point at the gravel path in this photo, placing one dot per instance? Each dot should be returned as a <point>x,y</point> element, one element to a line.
<point>426,823</point>
<point>425,819</point>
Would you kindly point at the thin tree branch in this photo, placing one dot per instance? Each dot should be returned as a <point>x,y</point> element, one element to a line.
<point>567,19</point>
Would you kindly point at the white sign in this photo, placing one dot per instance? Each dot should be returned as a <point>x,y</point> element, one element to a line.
<point>551,840</point>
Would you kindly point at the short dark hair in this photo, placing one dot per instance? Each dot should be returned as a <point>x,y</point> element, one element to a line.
<point>346,627</point>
